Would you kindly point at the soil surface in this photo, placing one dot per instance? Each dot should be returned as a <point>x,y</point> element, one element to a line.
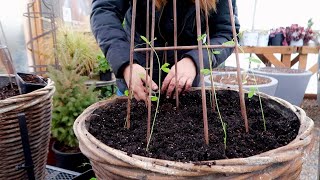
<point>178,134</point>
<point>312,109</point>
<point>281,70</point>
<point>8,91</point>
<point>232,79</point>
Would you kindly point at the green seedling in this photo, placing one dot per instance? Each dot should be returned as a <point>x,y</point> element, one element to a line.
<point>213,98</point>
<point>126,92</point>
<point>254,90</point>
<point>165,68</point>
<point>155,98</point>
<point>205,71</point>
<point>254,60</point>
<point>215,52</point>
<point>232,43</point>
<point>229,43</point>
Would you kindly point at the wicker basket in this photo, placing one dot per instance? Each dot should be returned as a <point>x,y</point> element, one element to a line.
<point>283,163</point>
<point>37,107</point>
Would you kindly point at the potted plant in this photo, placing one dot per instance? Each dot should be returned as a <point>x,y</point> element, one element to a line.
<point>173,150</point>
<point>277,37</point>
<point>121,144</point>
<point>25,119</point>
<point>70,42</point>
<point>309,36</point>
<point>295,35</point>
<point>71,98</point>
<point>104,68</point>
<point>292,83</point>
<point>263,83</point>
<point>317,37</point>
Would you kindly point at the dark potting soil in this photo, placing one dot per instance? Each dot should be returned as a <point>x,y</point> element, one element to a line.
<point>8,91</point>
<point>178,134</point>
<point>232,79</point>
<point>30,78</point>
<point>281,70</point>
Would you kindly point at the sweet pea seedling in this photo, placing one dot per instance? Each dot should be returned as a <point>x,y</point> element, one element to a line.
<point>165,68</point>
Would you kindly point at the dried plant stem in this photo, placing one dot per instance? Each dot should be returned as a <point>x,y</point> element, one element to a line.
<point>134,9</point>
<point>175,51</point>
<point>203,93</point>
<point>241,94</point>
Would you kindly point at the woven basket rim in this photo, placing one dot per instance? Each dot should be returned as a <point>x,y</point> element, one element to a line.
<point>24,101</point>
<point>49,86</point>
<point>303,139</point>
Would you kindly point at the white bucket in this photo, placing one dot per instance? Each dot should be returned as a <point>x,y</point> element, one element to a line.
<point>296,43</point>
<point>250,38</point>
<point>263,39</point>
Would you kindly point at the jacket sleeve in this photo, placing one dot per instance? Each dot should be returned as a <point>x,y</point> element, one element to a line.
<point>220,32</point>
<point>106,25</point>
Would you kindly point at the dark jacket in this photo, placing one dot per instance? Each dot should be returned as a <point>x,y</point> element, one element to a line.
<point>114,38</point>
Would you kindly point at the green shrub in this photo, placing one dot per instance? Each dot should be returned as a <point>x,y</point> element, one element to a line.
<point>72,96</point>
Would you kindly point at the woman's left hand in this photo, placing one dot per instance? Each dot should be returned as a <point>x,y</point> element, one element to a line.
<point>186,74</point>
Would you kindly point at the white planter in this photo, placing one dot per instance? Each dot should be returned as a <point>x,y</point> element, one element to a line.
<point>296,43</point>
<point>250,38</point>
<point>292,85</point>
<point>263,39</point>
<point>268,88</point>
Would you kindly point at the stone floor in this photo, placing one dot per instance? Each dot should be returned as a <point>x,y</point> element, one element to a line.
<point>311,166</point>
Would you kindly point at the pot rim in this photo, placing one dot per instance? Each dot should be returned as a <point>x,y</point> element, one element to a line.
<point>273,81</point>
<point>304,73</point>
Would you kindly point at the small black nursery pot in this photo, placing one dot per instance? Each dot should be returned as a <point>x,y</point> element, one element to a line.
<point>276,40</point>
<point>30,82</point>
<point>107,76</point>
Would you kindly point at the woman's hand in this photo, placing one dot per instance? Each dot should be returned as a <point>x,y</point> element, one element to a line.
<point>138,82</point>
<point>186,74</point>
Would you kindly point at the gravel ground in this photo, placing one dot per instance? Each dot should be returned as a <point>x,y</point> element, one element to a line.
<point>310,168</point>
<point>313,110</point>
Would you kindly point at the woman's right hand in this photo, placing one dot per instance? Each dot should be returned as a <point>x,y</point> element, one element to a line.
<point>138,82</point>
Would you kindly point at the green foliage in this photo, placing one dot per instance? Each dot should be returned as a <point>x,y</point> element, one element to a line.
<point>215,52</point>
<point>103,64</point>
<point>254,60</point>
<point>229,43</point>
<point>165,68</point>
<point>154,98</point>
<point>126,92</point>
<point>93,178</point>
<point>106,91</point>
<point>252,91</point>
<point>202,38</point>
<point>205,71</point>
<point>71,97</point>
<point>145,40</point>
<point>70,42</point>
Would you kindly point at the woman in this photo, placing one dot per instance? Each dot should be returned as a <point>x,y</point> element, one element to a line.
<point>114,39</point>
